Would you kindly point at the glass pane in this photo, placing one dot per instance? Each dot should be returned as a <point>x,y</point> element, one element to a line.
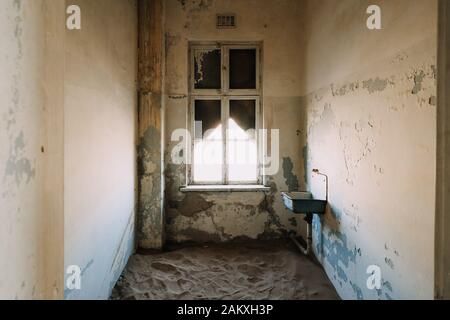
<point>242,143</point>
<point>207,69</point>
<point>243,69</point>
<point>208,143</point>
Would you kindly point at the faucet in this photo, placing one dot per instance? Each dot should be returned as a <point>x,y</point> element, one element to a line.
<point>317,171</point>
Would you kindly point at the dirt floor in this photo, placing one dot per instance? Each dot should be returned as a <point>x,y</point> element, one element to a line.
<point>249,271</point>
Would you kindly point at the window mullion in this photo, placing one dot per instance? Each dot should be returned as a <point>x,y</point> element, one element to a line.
<point>226,110</point>
<point>225,70</point>
<point>259,143</point>
<point>225,115</point>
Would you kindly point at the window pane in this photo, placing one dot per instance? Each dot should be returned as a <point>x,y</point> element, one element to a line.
<point>243,69</point>
<point>208,143</point>
<point>242,143</point>
<point>207,69</point>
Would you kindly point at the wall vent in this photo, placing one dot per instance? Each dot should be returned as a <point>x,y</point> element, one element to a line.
<point>225,21</point>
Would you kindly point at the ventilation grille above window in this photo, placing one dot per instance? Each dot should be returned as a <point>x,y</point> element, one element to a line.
<point>226,21</point>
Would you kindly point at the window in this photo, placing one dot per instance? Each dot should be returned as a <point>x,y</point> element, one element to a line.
<point>225,114</point>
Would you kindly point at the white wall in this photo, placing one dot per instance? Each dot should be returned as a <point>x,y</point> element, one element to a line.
<point>100,140</point>
<point>31,152</point>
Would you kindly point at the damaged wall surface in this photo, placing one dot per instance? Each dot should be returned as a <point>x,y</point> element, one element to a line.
<point>31,153</point>
<point>371,127</point>
<point>100,144</point>
<point>151,125</point>
<point>204,217</point>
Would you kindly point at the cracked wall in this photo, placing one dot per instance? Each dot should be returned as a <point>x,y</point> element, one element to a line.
<point>371,127</point>
<point>100,144</point>
<point>207,217</point>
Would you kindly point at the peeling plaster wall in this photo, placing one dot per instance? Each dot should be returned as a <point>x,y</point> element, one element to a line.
<point>100,140</point>
<point>31,152</point>
<point>204,217</point>
<point>371,127</point>
<point>150,231</point>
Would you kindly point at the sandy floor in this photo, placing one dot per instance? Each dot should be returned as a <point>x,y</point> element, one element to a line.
<point>250,270</point>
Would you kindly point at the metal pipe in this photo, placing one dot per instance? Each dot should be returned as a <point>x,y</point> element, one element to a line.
<point>308,238</point>
<point>317,171</point>
<point>306,250</point>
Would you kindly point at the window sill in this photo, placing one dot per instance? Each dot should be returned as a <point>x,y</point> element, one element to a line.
<point>225,188</point>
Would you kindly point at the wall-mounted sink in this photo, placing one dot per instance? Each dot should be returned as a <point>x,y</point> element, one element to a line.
<point>303,203</point>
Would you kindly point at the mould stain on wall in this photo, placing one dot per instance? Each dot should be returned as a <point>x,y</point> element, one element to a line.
<point>18,166</point>
<point>149,171</point>
<point>209,217</point>
<point>291,179</point>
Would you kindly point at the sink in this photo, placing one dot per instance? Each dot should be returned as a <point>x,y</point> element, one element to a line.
<point>303,203</point>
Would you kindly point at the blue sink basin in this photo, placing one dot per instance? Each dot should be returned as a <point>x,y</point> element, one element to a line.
<point>303,203</point>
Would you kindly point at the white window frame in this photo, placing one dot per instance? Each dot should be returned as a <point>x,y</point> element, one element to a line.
<point>225,94</point>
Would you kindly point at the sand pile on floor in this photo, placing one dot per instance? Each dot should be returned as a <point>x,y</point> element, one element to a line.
<point>260,270</point>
